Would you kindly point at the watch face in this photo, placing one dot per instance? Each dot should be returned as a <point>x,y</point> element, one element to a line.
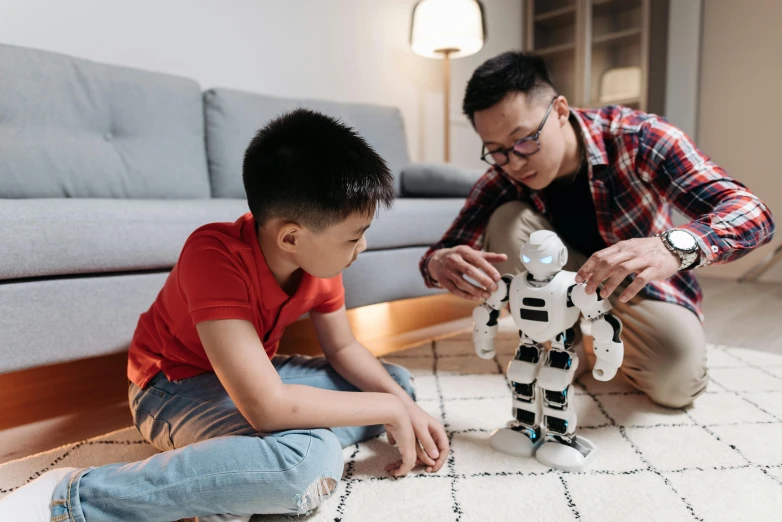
<point>681,240</point>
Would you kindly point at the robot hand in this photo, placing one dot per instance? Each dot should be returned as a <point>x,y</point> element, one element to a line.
<point>485,320</point>
<point>609,348</point>
<point>483,334</point>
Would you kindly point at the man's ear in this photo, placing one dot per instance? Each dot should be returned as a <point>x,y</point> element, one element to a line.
<point>563,110</point>
<point>289,236</point>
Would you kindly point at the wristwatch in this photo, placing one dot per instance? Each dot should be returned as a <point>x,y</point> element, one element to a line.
<point>683,244</point>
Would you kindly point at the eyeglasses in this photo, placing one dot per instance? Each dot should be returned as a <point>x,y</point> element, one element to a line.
<point>522,148</point>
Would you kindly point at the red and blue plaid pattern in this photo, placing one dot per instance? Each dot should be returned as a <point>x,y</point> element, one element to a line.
<point>640,168</point>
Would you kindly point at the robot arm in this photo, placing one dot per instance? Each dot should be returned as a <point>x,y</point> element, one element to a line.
<point>609,348</point>
<point>606,329</point>
<point>485,319</point>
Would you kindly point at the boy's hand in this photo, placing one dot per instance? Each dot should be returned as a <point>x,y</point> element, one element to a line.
<point>432,443</point>
<point>401,431</point>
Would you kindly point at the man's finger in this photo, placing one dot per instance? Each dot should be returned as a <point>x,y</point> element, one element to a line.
<point>391,439</point>
<point>480,277</point>
<point>638,283</point>
<point>477,260</point>
<point>605,268</point>
<point>620,273</point>
<point>448,285</point>
<point>467,287</point>
<point>589,266</point>
<point>493,257</point>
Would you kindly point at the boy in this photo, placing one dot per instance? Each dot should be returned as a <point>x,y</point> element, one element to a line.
<point>242,430</point>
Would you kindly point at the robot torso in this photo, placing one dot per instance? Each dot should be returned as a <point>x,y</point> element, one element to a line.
<point>542,313</point>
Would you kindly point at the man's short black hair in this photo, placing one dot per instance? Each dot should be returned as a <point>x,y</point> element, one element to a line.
<point>511,71</point>
<point>314,170</point>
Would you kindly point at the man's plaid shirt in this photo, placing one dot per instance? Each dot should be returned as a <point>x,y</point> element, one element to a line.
<point>640,167</point>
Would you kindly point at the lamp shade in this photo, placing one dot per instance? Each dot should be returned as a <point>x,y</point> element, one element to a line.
<point>453,27</point>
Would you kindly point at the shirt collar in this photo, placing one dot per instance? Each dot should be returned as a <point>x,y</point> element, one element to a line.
<point>273,296</point>
<point>592,134</point>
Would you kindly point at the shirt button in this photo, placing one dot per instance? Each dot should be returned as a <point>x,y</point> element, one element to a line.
<point>715,249</point>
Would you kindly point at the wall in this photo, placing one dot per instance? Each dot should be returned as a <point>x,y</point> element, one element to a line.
<point>683,67</point>
<point>344,50</point>
<point>505,27</point>
<point>739,117</point>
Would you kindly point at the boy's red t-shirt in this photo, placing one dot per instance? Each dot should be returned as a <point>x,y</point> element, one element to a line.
<point>221,274</point>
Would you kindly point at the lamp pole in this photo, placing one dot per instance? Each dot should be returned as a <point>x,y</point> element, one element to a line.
<point>445,29</point>
<point>447,100</point>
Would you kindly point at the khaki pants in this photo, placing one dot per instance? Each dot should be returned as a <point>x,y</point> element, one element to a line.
<point>665,346</point>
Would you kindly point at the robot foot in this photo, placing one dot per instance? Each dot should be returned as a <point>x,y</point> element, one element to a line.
<point>519,441</point>
<point>575,456</point>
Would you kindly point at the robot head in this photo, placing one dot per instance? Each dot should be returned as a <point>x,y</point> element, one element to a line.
<point>543,254</point>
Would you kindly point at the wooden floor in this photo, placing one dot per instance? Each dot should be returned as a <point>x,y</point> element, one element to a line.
<point>748,315</point>
<point>46,407</point>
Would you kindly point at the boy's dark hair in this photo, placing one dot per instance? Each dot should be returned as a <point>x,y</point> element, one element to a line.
<point>511,71</point>
<point>314,170</point>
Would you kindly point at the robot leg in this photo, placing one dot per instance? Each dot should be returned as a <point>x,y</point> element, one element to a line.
<point>562,449</point>
<point>523,435</point>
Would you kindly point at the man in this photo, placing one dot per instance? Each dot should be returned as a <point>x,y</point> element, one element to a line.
<point>606,181</point>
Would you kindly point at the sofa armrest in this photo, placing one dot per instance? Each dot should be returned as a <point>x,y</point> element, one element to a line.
<point>430,180</point>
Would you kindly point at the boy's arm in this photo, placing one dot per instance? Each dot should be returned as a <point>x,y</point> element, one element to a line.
<point>268,404</point>
<point>358,366</point>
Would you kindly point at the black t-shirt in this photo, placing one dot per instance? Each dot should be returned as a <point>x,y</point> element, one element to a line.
<point>572,212</point>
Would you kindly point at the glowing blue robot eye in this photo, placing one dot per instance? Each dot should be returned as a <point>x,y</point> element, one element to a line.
<point>525,259</point>
<point>546,260</point>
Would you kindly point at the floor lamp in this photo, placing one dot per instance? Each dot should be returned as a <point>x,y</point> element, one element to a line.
<point>447,29</point>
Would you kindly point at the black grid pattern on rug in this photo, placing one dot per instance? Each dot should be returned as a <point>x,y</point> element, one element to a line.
<point>750,378</point>
<point>436,357</point>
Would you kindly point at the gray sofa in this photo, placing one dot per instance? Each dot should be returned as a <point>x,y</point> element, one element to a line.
<point>105,171</point>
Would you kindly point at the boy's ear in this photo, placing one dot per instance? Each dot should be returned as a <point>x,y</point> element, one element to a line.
<point>288,237</point>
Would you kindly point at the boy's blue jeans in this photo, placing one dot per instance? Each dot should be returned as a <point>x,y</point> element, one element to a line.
<point>213,461</point>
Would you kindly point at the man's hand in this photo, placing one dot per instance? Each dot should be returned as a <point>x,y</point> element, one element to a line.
<point>648,258</point>
<point>448,266</point>
<point>432,446</point>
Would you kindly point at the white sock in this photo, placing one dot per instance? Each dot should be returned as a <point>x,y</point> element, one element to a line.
<point>32,502</point>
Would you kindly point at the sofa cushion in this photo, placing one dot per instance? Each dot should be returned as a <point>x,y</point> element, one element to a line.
<point>412,222</point>
<point>75,128</point>
<point>233,118</point>
<point>48,237</point>
<point>379,277</point>
<point>430,180</point>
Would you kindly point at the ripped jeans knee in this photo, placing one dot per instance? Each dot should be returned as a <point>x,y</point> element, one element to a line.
<point>319,473</point>
<point>316,493</point>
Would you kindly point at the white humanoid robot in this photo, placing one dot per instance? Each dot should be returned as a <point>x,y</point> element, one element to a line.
<point>545,303</point>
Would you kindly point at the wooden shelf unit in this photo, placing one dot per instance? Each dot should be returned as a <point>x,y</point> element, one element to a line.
<point>581,40</point>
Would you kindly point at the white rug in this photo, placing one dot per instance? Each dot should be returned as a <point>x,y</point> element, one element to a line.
<point>719,460</point>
